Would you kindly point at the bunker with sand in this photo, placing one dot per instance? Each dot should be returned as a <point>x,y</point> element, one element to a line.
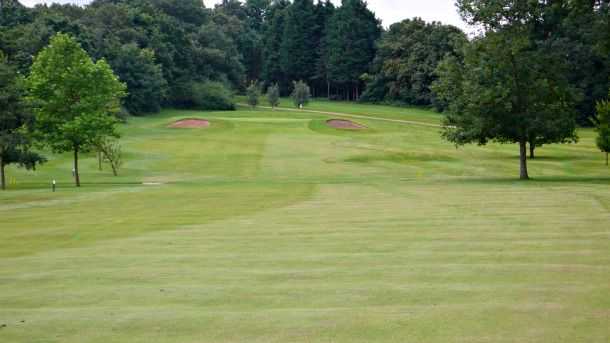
<point>190,124</point>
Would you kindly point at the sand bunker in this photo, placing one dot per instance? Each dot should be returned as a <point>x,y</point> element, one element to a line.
<point>190,124</point>
<point>344,124</point>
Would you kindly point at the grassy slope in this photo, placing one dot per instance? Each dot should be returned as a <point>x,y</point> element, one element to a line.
<point>271,227</point>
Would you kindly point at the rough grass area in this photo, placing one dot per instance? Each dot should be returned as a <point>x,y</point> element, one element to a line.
<point>270,226</point>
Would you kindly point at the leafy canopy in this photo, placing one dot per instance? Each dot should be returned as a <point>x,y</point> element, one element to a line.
<point>273,95</point>
<point>15,122</point>
<point>603,125</point>
<point>510,87</point>
<point>74,98</point>
<point>300,94</point>
<point>253,92</point>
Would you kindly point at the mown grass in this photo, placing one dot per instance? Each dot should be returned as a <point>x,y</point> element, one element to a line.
<point>272,227</point>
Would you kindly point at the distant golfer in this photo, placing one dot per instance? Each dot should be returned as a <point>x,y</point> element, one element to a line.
<point>54,183</point>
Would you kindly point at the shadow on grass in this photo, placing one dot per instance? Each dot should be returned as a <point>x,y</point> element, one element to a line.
<point>399,158</point>
<point>533,181</point>
<point>42,185</point>
<point>544,158</point>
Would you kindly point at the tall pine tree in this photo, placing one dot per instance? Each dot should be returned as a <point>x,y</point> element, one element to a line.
<point>351,36</point>
<point>273,31</point>
<point>298,50</point>
<point>321,80</point>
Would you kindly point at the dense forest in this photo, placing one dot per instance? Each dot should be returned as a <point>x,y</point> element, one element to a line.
<point>179,53</point>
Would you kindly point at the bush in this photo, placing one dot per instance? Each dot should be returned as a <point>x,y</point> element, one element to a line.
<point>207,95</point>
<point>253,93</point>
<point>273,95</point>
<point>300,94</point>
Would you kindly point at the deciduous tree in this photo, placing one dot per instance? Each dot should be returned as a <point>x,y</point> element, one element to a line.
<point>273,95</point>
<point>144,79</point>
<point>300,94</point>
<point>15,123</point>
<point>253,93</point>
<point>602,123</point>
<point>75,99</point>
<point>407,57</point>
<point>506,90</point>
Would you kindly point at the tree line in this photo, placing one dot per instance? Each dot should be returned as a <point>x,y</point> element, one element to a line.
<point>179,53</point>
<point>519,81</point>
<point>534,71</point>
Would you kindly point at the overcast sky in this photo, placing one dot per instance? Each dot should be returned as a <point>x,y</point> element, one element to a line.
<point>390,11</point>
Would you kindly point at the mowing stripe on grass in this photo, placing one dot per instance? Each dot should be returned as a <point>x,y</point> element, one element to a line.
<point>406,122</point>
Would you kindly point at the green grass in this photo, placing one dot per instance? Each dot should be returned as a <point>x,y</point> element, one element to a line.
<point>272,227</point>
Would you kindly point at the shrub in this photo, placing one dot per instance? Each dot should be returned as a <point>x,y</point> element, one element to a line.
<point>253,93</point>
<point>206,95</point>
<point>273,95</point>
<point>300,94</point>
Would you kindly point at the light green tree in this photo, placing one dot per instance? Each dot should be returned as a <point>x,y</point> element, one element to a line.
<point>111,152</point>
<point>74,98</point>
<point>300,94</point>
<point>273,95</point>
<point>253,92</point>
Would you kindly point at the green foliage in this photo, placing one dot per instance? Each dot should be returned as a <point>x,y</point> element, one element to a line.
<point>508,89</point>
<point>602,123</point>
<point>111,153</point>
<point>350,42</point>
<point>144,79</point>
<point>578,30</point>
<point>242,24</point>
<point>15,123</point>
<point>298,49</point>
<point>75,99</point>
<point>273,95</point>
<point>300,94</point>
<point>324,12</point>
<point>253,92</point>
<point>407,56</point>
<point>12,13</point>
<point>156,47</point>
<point>273,32</point>
<point>207,95</point>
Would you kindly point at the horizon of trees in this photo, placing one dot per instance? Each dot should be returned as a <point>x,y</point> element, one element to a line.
<point>166,50</point>
<point>534,71</point>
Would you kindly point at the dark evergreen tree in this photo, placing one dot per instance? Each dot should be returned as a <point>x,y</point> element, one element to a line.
<point>298,49</point>
<point>15,122</point>
<point>273,31</point>
<point>351,36</point>
<point>321,79</point>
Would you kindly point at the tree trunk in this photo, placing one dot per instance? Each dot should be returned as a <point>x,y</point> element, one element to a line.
<point>76,176</point>
<point>2,177</point>
<point>532,151</point>
<point>99,160</point>
<point>606,159</point>
<point>328,89</point>
<point>523,160</point>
